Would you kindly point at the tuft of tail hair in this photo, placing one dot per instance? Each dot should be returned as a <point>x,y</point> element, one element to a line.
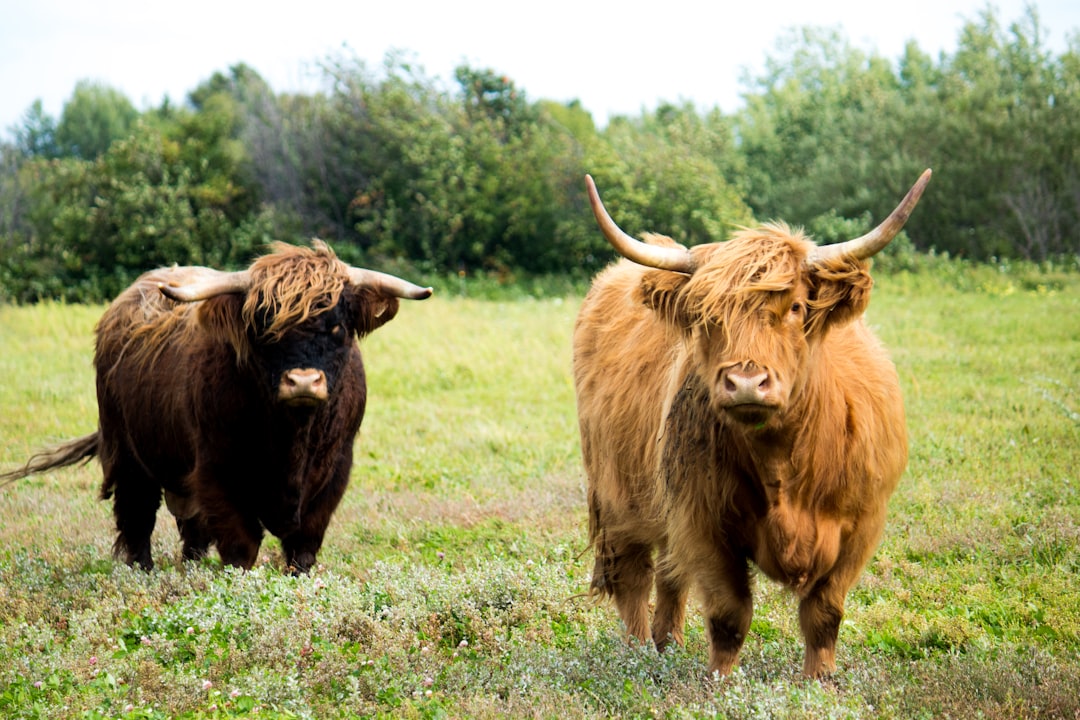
<point>80,449</point>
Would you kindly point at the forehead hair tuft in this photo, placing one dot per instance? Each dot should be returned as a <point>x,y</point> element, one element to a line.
<point>741,273</point>
<point>292,284</point>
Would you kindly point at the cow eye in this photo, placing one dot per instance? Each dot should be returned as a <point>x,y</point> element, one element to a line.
<point>797,308</point>
<point>337,331</point>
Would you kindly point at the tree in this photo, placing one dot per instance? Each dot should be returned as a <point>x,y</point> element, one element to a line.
<point>35,136</point>
<point>94,117</point>
<point>833,136</point>
<point>667,173</point>
<point>819,131</point>
<point>168,193</point>
<point>1006,131</point>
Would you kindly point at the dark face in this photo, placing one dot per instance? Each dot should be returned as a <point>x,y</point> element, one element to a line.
<point>301,369</point>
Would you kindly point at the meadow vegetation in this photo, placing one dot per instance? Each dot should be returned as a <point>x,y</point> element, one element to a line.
<point>450,581</point>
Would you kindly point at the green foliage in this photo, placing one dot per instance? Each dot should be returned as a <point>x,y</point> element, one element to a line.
<point>666,174</point>
<point>35,136</point>
<point>94,118</point>
<point>828,127</point>
<point>168,193</point>
<point>398,170</point>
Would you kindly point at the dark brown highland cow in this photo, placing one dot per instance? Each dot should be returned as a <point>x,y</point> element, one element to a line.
<point>735,408</point>
<point>237,396</point>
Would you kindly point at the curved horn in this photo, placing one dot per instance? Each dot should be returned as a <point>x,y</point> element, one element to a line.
<point>662,258</point>
<point>870,244</point>
<point>210,285</point>
<point>387,284</point>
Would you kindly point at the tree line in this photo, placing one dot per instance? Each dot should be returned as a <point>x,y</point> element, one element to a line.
<point>396,170</point>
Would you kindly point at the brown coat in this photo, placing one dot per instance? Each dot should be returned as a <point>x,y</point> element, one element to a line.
<point>237,397</point>
<point>740,413</point>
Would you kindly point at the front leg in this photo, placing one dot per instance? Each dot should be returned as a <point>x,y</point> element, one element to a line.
<point>728,606</point>
<point>821,609</point>
<point>230,521</point>
<point>196,537</point>
<point>302,545</point>
<point>669,618</point>
<point>237,536</point>
<point>820,614</point>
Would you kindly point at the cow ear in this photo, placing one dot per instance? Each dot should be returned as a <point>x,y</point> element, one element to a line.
<point>839,293</point>
<point>371,309</point>
<point>661,292</point>
<point>221,318</point>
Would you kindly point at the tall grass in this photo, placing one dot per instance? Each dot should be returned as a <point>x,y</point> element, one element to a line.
<point>448,582</point>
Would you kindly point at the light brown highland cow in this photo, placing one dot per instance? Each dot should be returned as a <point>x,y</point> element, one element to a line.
<point>735,409</point>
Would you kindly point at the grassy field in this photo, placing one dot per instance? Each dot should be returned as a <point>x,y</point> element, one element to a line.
<point>449,582</point>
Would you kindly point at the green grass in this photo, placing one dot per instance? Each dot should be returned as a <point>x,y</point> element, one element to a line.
<point>448,584</point>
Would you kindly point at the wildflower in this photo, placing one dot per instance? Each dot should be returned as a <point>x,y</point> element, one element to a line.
<point>37,684</point>
<point>93,659</point>
<point>234,694</point>
<point>206,684</point>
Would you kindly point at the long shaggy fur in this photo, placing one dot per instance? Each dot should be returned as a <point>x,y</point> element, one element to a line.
<point>292,284</point>
<point>671,475</point>
<point>189,405</point>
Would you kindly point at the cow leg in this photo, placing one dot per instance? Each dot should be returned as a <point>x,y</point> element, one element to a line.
<point>728,607</point>
<point>669,619</point>
<point>631,580</point>
<point>820,614</point>
<point>136,498</point>
<point>238,541</point>
<point>821,609</point>
<point>302,546</point>
<point>196,537</point>
<point>236,534</point>
<point>190,524</point>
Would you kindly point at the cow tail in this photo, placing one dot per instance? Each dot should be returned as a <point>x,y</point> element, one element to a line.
<point>80,449</point>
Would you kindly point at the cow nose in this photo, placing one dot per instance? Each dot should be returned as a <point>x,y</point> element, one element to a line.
<point>305,386</point>
<point>745,386</point>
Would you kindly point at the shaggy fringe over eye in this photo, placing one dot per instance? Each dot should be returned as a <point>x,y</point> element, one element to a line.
<point>292,284</point>
<point>738,275</point>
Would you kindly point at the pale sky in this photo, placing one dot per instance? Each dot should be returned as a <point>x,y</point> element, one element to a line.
<point>617,58</point>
